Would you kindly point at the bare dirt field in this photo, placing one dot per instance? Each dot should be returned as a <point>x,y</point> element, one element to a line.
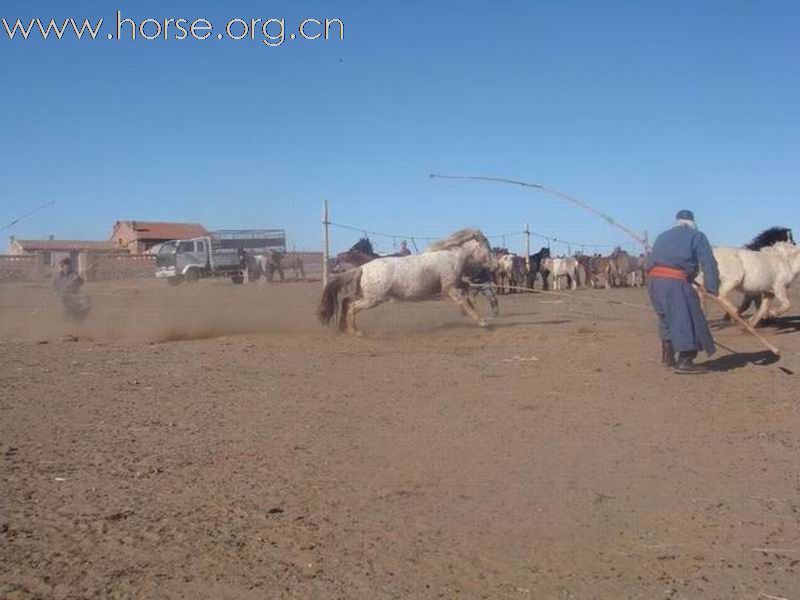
<point>213,441</point>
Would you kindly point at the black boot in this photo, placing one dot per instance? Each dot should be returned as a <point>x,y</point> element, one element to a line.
<point>686,364</point>
<point>667,354</point>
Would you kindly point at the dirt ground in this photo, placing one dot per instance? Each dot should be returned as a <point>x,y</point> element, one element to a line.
<point>213,441</point>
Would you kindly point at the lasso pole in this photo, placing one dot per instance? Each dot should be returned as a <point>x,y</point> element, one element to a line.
<point>554,192</point>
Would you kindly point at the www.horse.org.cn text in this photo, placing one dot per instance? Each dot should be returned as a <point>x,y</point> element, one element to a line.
<point>271,32</point>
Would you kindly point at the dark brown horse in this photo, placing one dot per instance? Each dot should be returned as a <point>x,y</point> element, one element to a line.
<point>360,254</point>
<point>536,267</point>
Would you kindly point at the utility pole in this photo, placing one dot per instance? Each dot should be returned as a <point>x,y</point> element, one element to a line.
<point>326,243</point>
<point>527,233</point>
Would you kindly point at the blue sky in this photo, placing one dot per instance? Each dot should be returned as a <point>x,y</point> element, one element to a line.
<point>639,108</point>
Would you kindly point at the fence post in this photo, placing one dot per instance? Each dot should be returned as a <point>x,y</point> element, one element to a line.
<point>326,243</point>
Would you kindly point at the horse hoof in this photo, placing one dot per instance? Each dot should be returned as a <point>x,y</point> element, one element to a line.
<point>483,324</point>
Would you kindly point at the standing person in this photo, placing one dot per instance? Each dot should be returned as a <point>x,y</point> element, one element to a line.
<point>677,257</point>
<point>276,264</point>
<point>482,283</point>
<point>68,285</point>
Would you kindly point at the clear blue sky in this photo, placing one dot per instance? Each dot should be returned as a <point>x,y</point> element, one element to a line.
<point>639,108</point>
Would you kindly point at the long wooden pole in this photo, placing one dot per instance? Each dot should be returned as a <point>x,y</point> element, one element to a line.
<point>554,192</point>
<point>734,314</point>
<point>27,214</point>
<point>325,242</point>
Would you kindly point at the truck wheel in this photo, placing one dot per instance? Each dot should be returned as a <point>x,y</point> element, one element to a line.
<point>192,275</point>
<point>237,279</point>
<point>173,281</point>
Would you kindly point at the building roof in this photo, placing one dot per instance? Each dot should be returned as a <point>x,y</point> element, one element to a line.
<point>155,230</point>
<point>64,246</point>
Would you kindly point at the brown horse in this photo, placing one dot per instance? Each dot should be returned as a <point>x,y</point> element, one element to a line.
<point>359,254</point>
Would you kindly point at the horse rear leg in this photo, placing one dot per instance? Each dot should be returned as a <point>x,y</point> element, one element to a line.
<point>355,306</point>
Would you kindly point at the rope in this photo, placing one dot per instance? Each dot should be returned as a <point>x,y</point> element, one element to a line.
<point>564,295</point>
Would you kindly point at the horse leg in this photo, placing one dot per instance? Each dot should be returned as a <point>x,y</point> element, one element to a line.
<point>724,290</point>
<point>783,298</point>
<point>493,303</point>
<point>351,326</point>
<point>358,304</point>
<point>458,296</point>
<point>762,312</point>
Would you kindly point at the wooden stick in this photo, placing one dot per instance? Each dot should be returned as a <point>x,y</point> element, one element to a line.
<point>734,314</point>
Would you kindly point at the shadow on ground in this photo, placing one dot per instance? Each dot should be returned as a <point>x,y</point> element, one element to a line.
<point>737,360</point>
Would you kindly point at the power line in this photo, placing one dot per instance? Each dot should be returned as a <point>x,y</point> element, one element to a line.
<point>428,238</point>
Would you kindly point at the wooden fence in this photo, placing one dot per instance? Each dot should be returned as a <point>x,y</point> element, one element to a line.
<point>312,263</point>
<point>21,267</point>
<point>104,267</point>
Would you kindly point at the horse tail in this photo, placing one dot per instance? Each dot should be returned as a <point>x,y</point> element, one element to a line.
<point>332,302</point>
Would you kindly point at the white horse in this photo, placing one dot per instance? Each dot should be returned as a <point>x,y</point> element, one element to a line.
<point>636,274</point>
<point>438,270</point>
<point>560,267</point>
<point>769,272</point>
<point>511,269</point>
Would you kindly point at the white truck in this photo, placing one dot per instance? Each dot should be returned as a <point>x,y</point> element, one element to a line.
<point>221,254</point>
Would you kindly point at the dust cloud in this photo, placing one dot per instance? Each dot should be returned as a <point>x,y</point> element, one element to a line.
<point>152,311</point>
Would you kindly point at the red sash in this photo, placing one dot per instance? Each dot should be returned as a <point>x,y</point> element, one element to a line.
<point>668,273</point>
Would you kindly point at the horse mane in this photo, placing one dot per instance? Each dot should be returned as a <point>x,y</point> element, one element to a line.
<point>770,237</point>
<point>459,238</point>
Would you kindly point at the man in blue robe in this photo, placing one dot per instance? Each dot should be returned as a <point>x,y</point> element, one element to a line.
<point>675,260</point>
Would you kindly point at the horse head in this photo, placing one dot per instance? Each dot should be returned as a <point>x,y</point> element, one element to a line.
<point>790,252</point>
<point>480,254</point>
<point>473,244</point>
<point>363,246</point>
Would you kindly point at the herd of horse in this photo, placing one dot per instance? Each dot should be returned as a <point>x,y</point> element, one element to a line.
<point>762,271</point>
<point>516,273</point>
